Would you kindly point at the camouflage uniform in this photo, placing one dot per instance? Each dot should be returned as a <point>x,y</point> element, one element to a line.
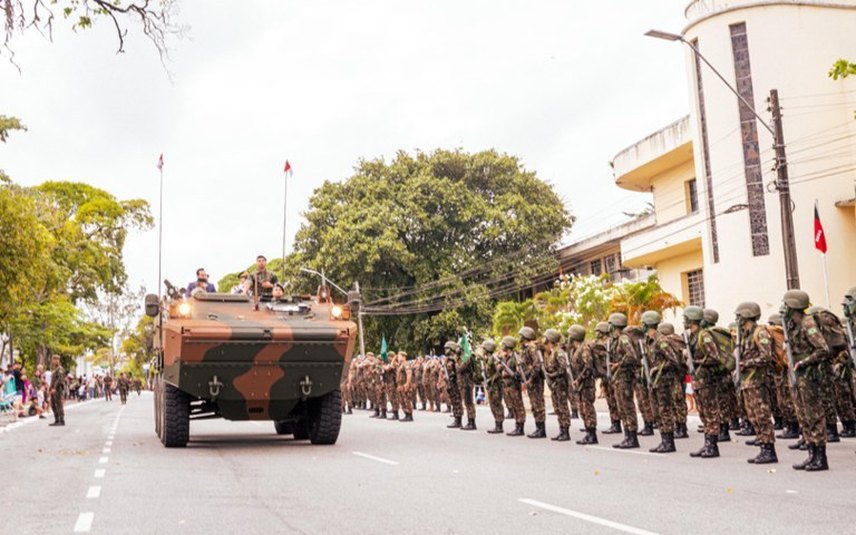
<point>464,371</point>
<point>390,388</point>
<point>512,387</point>
<point>679,394</point>
<point>57,392</point>
<point>535,386</point>
<point>454,391</point>
<point>646,404</point>
<point>625,362</point>
<point>124,385</point>
<point>493,373</point>
<point>404,382</point>
<point>582,365</point>
<point>779,371</point>
<point>664,361</point>
<point>707,381</point>
<point>811,354</point>
<point>419,383</point>
<point>756,361</point>
<point>556,365</point>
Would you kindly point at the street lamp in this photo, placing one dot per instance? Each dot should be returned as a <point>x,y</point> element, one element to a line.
<point>789,247</point>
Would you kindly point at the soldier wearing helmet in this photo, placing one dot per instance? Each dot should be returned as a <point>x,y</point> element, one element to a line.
<point>390,386</point>
<point>679,395</point>
<point>642,391</point>
<point>493,389</point>
<point>728,402</point>
<point>812,358</point>
<point>556,371</point>
<point>512,381</point>
<point>465,371</point>
<point>581,356</point>
<point>664,363</point>
<point>451,350</point>
<point>601,346</point>
<point>756,365</point>
<point>707,380</point>
<point>624,363</point>
<point>532,363</point>
<point>784,399</point>
<point>404,385</point>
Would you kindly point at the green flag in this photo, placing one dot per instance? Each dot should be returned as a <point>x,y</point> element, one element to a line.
<point>384,350</point>
<point>465,347</point>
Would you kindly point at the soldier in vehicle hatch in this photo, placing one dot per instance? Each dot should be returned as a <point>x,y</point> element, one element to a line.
<point>262,281</point>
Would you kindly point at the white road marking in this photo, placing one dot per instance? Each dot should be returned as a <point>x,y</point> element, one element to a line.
<point>373,458</point>
<point>102,460</point>
<point>84,522</point>
<point>100,473</point>
<point>790,492</point>
<point>587,518</point>
<point>108,443</point>
<point>93,492</point>
<point>617,450</point>
<point>105,450</point>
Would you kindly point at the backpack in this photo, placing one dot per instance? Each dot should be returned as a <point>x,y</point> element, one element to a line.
<point>779,353</point>
<point>832,330</point>
<point>725,344</point>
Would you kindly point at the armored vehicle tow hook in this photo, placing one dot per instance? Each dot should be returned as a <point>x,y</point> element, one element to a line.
<point>214,386</point>
<point>306,386</point>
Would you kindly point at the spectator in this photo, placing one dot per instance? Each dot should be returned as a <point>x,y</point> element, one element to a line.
<point>243,285</point>
<point>200,282</point>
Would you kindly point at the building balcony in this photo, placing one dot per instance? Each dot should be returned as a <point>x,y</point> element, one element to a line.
<point>637,165</point>
<point>675,238</point>
<point>700,9</point>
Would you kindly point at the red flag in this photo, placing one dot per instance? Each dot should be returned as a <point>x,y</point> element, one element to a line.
<point>819,236</point>
<point>160,162</point>
<point>287,169</point>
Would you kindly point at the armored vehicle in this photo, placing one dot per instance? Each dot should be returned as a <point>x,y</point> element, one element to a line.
<point>228,356</point>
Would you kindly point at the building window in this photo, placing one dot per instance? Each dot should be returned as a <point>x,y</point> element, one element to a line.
<point>705,156</point>
<point>695,287</point>
<point>692,196</point>
<point>596,267</point>
<point>611,263</point>
<point>751,152</point>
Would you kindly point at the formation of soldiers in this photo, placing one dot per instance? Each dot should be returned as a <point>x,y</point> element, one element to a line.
<point>794,374</point>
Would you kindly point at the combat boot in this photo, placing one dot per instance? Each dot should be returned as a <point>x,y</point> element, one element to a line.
<point>540,431</point>
<point>798,445</point>
<point>791,430</point>
<point>811,454</point>
<point>747,430</point>
<point>778,423</point>
<point>615,429</point>
<point>455,424</point>
<point>734,424</point>
<point>575,414</point>
<point>681,431</point>
<point>832,433</point>
<point>663,446</point>
<point>712,449</point>
<point>471,425</point>
<point>818,462</point>
<point>589,438</point>
<point>350,410</point>
<point>698,453</point>
<point>408,417</point>
<point>496,430</point>
<point>630,442</point>
<point>56,423</point>
<point>849,430</point>
<point>394,415</point>
<point>376,413</point>
<point>647,430</point>
<point>518,431</point>
<point>563,436</point>
<point>724,436</point>
<point>766,456</point>
<point>382,414</point>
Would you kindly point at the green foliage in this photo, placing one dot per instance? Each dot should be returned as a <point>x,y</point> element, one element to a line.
<point>7,125</point>
<point>842,69</point>
<point>137,345</point>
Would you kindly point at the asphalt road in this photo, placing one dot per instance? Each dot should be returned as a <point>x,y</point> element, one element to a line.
<point>106,472</point>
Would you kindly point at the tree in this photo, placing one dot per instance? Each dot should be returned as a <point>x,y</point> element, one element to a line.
<point>154,17</point>
<point>433,238</point>
<point>7,125</point>
<point>842,69</point>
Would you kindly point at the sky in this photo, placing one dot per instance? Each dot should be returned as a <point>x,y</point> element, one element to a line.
<point>563,85</point>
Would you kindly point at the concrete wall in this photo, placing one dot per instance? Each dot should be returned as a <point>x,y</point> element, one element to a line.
<point>791,48</point>
<point>670,199</point>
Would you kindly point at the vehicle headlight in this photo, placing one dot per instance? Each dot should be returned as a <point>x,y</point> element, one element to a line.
<point>184,309</point>
<point>336,312</point>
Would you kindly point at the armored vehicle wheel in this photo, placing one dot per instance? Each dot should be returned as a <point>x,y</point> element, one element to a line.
<point>157,404</point>
<point>175,416</point>
<point>284,428</point>
<point>326,418</point>
<point>301,429</point>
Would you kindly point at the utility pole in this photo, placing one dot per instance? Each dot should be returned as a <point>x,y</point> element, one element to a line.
<point>360,319</point>
<point>792,275</point>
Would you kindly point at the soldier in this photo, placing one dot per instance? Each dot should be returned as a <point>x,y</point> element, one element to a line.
<point>57,391</point>
<point>602,346</point>
<point>556,368</point>
<point>512,384</point>
<point>784,397</point>
<point>390,386</point>
<point>624,366</point>
<point>452,388</point>
<point>641,390</point>
<point>849,307</point>
<point>492,371</point>
<point>664,364</point>
<point>418,371</point>
<point>582,357</point>
<point>812,369</point>
<point>404,382</point>
<point>707,380</point>
<point>532,365</point>
<point>429,377</point>
<point>374,377</point>
<point>755,349</point>
<point>108,387</point>
<point>728,395</point>
<point>464,369</point>
<point>124,385</point>
<point>679,395</point>
<point>840,405</point>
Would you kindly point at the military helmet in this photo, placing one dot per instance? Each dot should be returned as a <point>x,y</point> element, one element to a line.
<point>693,313</point>
<point>748,310</point>
<point>651,318</point>
<point>710,316</point>
<point>577,333</point>
<point>796,299</point>
<point>617,319</point>
<point>602,327</point>
<point>527,333</point>
<point>775,319</point>
<point>452,346</point>
<point>814,310</point>
<point>509,342</point>
<point>489,345</point>
<point>851,293</point>
<point>666,328</point>
<point>553,336</point>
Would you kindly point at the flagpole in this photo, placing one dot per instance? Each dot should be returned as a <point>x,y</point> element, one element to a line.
<point>160,260</point>
<point>284,217</point>
<point>825,265</point>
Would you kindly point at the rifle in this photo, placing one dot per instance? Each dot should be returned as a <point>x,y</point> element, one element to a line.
<point>541,363</point>
<point>504,365</point>
<point>646,367</point>
<point>689,352</point>
<point>571,386</point>
<point>609,360</point>
<point>445,369</point>
<point>521,371</point>
<point>737,351</point>
<point>792,376</point>
<point>851,338</point>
